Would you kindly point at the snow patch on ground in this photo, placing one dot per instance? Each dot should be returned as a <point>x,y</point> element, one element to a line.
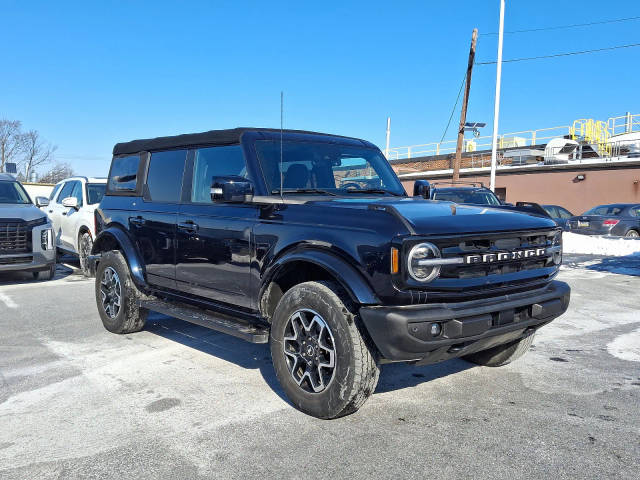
<point>626,347</point>
<point>593,245</point>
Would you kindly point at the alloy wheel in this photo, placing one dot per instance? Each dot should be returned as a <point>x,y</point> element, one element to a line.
<point>111,292</point>
<point>309,350</point>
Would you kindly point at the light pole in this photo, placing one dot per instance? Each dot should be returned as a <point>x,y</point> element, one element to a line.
<point>496,110</point>
<point>386,150</point>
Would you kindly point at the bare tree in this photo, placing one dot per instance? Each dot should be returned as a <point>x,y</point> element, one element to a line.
<point>58,172</point>
<point>10,141</point>
<point>36,152</point>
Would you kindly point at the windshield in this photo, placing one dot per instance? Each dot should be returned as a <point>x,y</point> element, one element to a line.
<point>95,192</point>
<point>605,210</point>
<point>471,196</point>
<point>13,192</point>
<point>326,167</point>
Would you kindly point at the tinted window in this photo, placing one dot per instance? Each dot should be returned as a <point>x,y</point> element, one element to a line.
<point>334,167</point>
<point>635,212</point>
<point>552,211</point>
<point>95,192</point>
<point>12,192</point>
<point>215,162</point>
<point>564,213</point>
<point>471,196</point>
<point>124,174</point>
<point>605,210</point>
<point>77,192</point>
<point>54,191</point>
<point>66,191</point>
<point>164,180</point>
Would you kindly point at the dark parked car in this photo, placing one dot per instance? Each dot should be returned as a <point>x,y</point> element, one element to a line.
<point>309,242</point>
<point>472,193</point>
<point>464,193</point>
<point>559,214</point>
<point>617,219</point>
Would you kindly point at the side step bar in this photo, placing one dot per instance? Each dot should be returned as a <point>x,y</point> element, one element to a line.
<point>213,320</point>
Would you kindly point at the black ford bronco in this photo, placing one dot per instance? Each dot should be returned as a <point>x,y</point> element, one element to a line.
<point>309,242</point>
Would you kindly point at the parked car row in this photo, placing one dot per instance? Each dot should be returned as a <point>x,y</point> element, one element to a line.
<point>616,219</point>
<point>32,235</point>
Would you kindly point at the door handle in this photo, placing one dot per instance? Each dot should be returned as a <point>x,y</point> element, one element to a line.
<point>188,226</point>
<point>50,211</point>
<point>137,221</point>
<point>64,213</point>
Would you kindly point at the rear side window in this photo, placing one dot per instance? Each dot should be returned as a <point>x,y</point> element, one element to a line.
<point>164,180</point>
<point>123,176</point>
<point>215,162</point>
<point>95,192</point>
<point>552,211</point>
<point>564,213</point>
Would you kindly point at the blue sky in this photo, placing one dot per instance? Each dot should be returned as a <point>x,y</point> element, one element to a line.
<point>90,74</point>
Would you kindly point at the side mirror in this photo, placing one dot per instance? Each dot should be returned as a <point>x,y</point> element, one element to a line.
<point>70,202</point>
<point>231,189</point>
<point>422,188</point>
<point>42,202</point>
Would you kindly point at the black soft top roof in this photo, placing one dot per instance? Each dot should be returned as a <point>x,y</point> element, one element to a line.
<point>212,137</point>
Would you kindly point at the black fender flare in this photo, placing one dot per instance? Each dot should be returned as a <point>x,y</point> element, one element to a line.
<point>105,240</point>
<point>349,278</point>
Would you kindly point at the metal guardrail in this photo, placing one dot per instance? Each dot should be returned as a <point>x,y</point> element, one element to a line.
<point>595,132</point>
<point>525,138</point>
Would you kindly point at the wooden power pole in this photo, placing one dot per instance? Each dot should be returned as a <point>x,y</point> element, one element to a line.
<point>465,102</point>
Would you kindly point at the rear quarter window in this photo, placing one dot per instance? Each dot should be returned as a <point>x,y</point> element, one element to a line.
<point>123,176</point>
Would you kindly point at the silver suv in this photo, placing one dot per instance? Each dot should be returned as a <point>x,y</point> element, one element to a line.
<point>70,208</point>
<point>26,235</point>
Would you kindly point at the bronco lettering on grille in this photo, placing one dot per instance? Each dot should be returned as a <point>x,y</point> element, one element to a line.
<point>505,256</point>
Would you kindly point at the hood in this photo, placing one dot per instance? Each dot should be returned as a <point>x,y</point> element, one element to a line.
<point>27,212</point>
<point>432,217</point>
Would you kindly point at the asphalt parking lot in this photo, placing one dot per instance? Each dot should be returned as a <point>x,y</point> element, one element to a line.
<point>180,401</point>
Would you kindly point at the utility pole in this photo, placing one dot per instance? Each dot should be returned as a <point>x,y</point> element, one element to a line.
<point>496,110</point>
<point>465,102</point>
<point>386,150</point>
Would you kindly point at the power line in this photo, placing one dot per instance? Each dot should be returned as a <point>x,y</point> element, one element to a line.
<point>565,54</point>
<point>454,107</point>
<point>560,27</point>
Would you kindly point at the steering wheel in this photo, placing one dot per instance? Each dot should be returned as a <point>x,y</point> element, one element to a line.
<point>351,185</point>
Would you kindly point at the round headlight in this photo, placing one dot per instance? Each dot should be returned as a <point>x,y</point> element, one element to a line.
<point>419,267</point>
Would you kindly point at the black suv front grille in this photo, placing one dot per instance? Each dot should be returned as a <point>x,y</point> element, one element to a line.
<point>493,277</point>
<point>15,237</point>
<point>456,247</point>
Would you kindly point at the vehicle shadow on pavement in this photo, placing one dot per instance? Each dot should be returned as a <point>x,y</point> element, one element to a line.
<point>257,356</point>
<point>625,265</point>
<point>23,278</point>
<point>395,376</point>
<point>228,348</point>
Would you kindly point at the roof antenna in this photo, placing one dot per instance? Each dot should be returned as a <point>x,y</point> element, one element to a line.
<point>281,127</point>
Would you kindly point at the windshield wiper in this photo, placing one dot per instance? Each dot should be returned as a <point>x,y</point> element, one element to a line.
<point>372,190</point>
<point>302,190</point>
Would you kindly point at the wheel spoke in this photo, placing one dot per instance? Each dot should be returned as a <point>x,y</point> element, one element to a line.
<point>309,350</point>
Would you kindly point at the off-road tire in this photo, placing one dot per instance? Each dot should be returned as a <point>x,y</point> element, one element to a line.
<point>502,354</point>
<point>85,244</point>
<point>130,317</point>
<point>356,372</point>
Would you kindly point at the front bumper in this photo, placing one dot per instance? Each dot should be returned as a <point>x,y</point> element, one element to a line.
<point>38,260</point>
<point>404,333</point>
